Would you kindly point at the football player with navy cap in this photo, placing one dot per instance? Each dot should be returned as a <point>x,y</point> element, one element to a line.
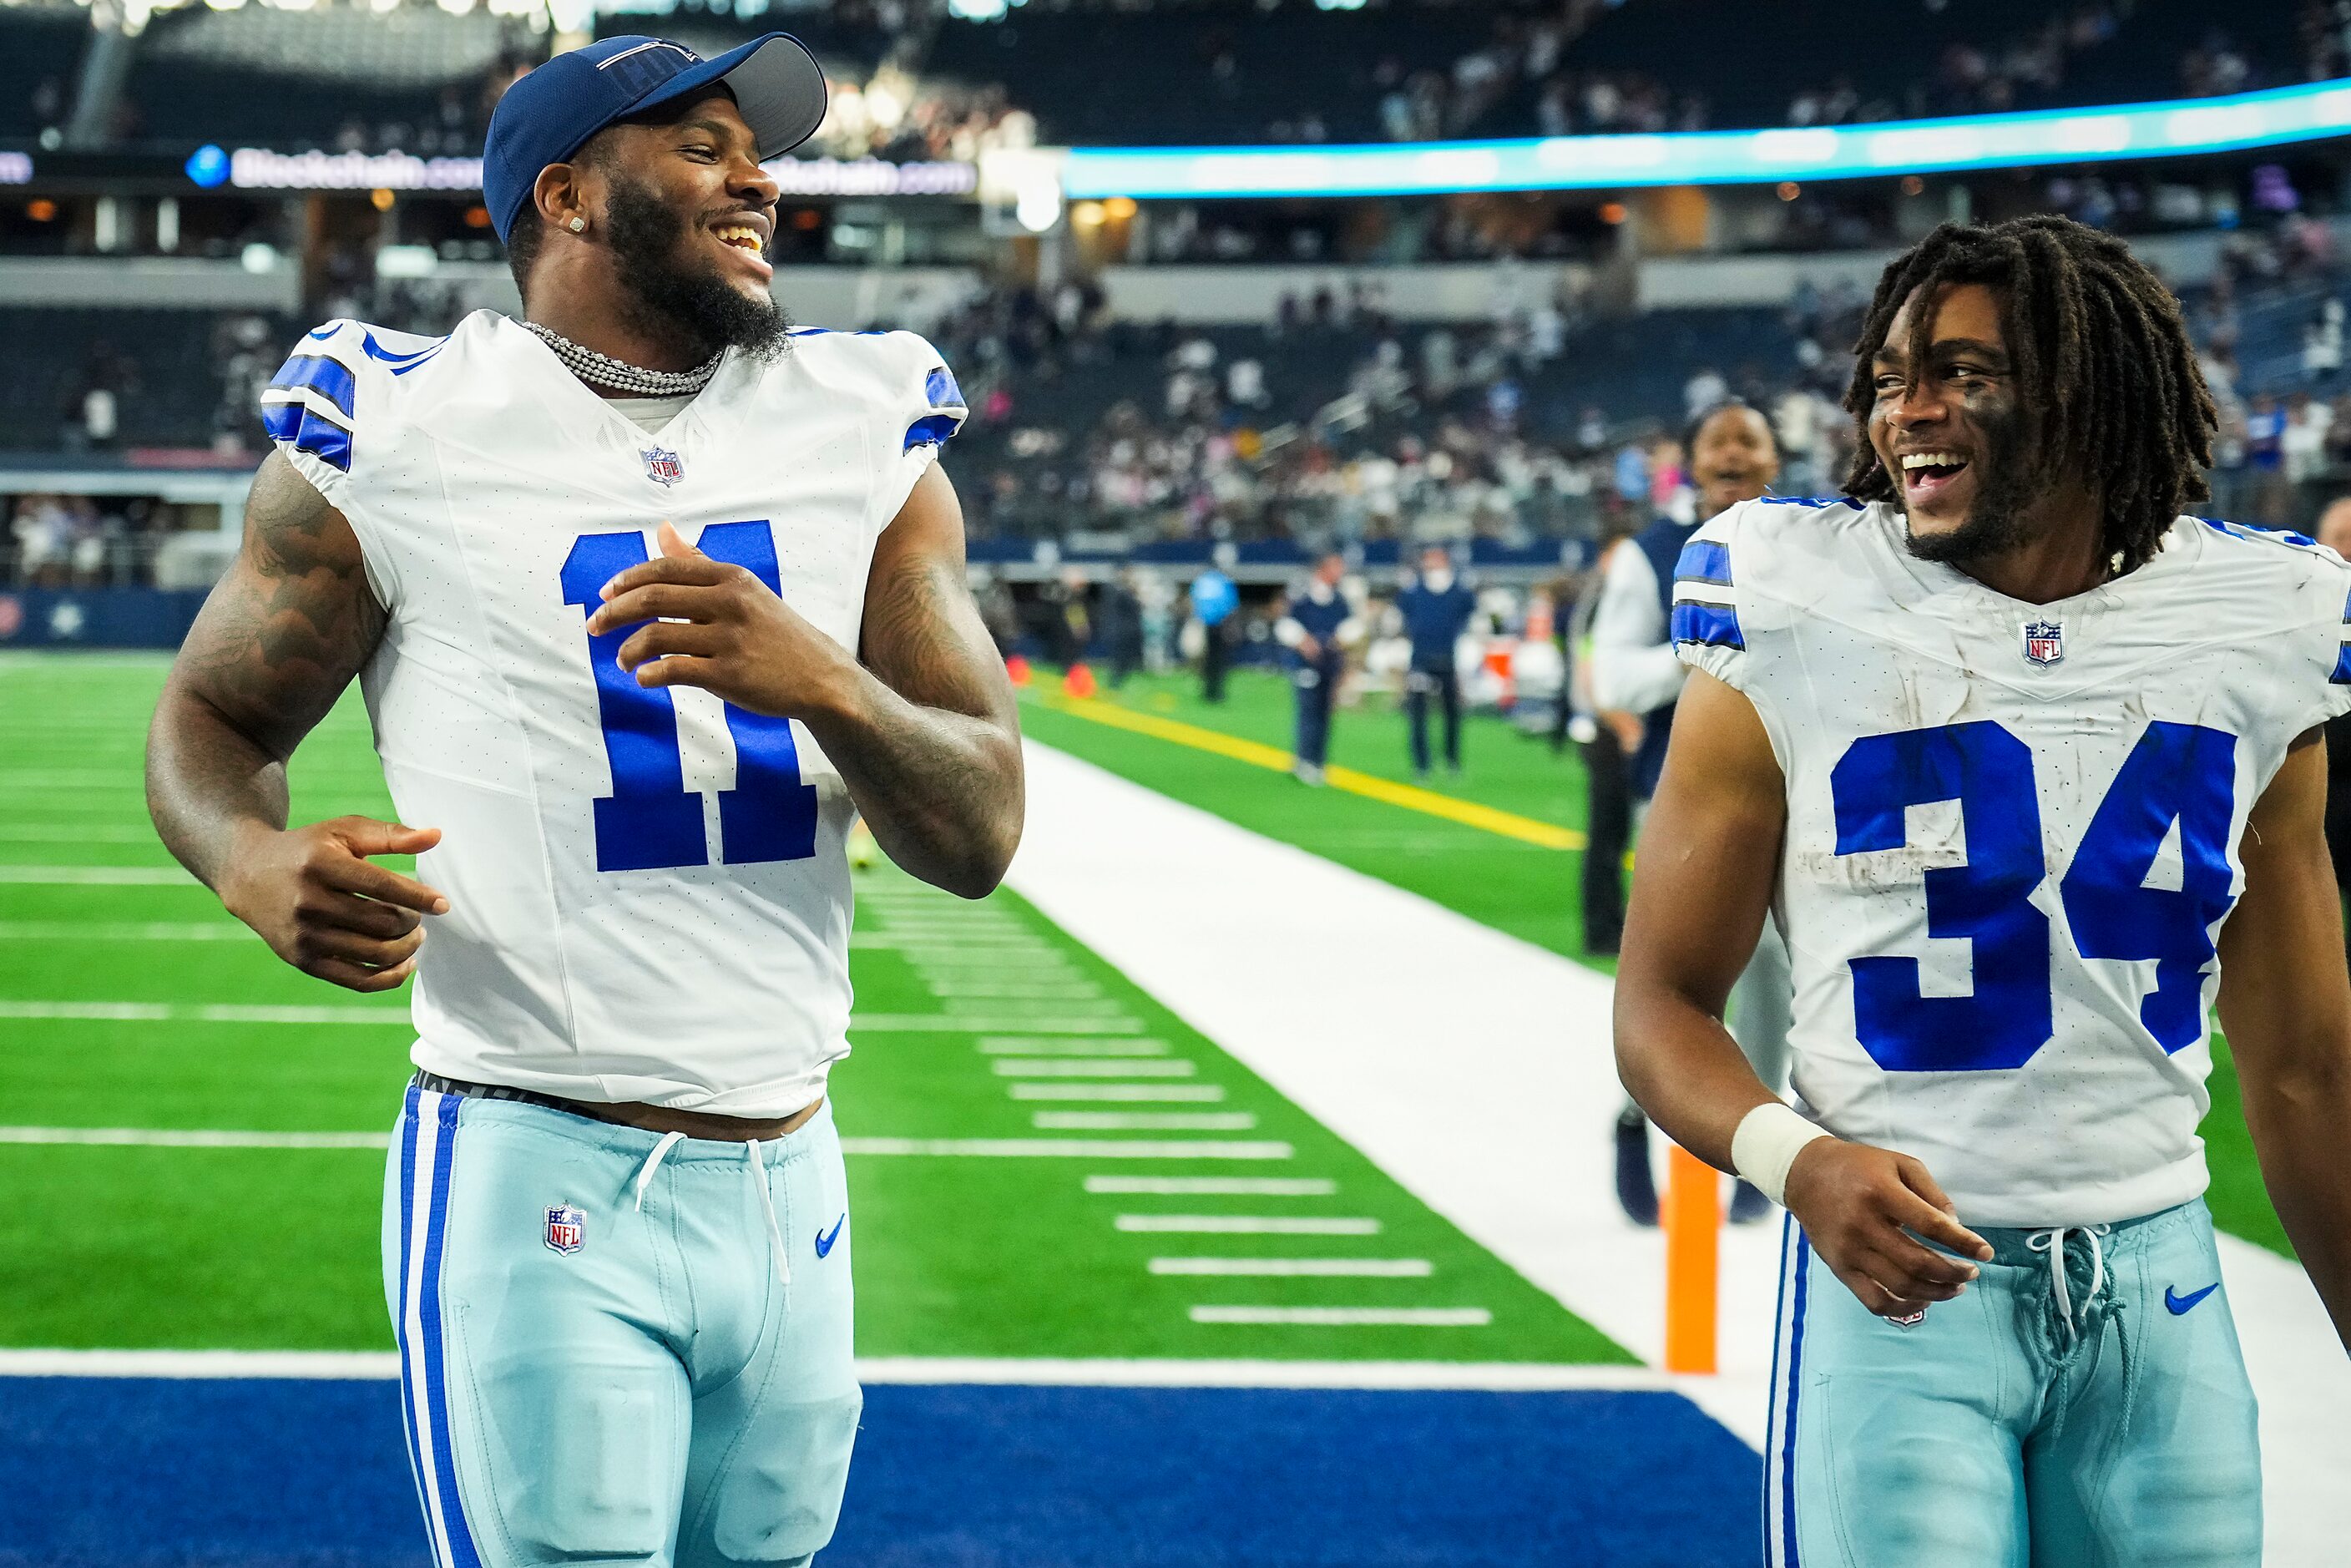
<point>651,594</point>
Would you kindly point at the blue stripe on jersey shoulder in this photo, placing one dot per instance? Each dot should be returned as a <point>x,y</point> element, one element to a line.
<point>2342,675</point>
<point>401,363</point>
<point>1815,501</point>
<point>1715,625</point>
<point>939,388</point>
<point>1703,560</point>
<point>330,377</point>
<point>838,332</point>
<point>305,430</point>
<point>932,430</point>
<point>2259,531</point>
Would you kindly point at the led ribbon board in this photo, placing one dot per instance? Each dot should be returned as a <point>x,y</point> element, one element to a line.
<point>2171,129</point>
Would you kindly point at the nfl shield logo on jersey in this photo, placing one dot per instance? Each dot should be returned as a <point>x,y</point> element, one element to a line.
<point>567,1228</point>
<point>662,465</point>
<point>2045,641</point>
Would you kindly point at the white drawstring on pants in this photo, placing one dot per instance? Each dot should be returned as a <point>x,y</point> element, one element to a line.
<point>2052,1242</point>
<point>759,1169</point>
<point>652,1162</point>
<point>755,1164</point>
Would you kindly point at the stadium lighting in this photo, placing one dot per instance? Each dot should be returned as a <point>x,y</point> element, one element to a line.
<point>2272,118</point>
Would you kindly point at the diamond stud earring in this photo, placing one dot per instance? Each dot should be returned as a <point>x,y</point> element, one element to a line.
<point>580,226</point>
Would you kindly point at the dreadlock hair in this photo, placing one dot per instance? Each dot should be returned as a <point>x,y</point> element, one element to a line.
<point>2103,367</point>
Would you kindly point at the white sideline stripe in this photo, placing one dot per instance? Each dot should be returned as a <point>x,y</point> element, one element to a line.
<point>99,875</point>
<point>1297,1267</point>
<point>1080,1046</point>
<point>988,944</point>
<point>1192,1093</point>
<point>1102,1067</point>
<point>123,931</point>
<point>1075,1148</point>
<point>1529,1378</point>
<point>1225,1186</point>
<point>943,1023</point>
<point>1350,1317</point>
<point>1142,1121</point>
<point>165,1012</point>
<point>1249,1224</point>
<point>195,1138</point>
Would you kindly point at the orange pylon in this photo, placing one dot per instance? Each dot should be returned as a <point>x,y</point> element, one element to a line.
<point>1693,1224</point>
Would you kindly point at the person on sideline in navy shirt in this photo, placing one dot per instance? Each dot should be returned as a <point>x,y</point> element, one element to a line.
<point>1317,626</point>
<point>1732,458</point>
<point>1436,607</point>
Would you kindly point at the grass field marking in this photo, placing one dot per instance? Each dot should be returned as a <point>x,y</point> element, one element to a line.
<point>1073,1148</point>
<point>1013,990</point>
<point>992,947</point>
<point>1093,1008</point>
<point>1295,1268</point>
<point>1142,1121</point>
<point>943,1023</point>
<point>1349,1317</point>
<point>74,833</point>
<point>1171,1093</point>
<point>1226,1186</point>
<point>1114,1066</point>
<point>125,931</point>
<point>99,875</point>
<point>1411,797</point>
<point>194,1138</point>
<point>1501,1377</point>
<point>166,1012</point>
<point>1247,1225</point>
<point>1023,1045</point>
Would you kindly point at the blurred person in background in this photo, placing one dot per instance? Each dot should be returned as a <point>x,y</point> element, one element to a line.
<point>1607,739</point>
<point>1214,599</point>
<point>2335,533</point>
<point>1118,623</point>
<point>1317,626</point>
<point>1732,458</point>
<point>1436,607</point>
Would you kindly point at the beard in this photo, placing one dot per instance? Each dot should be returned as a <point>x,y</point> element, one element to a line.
<point>688,309</point>
<point>1996,522</point>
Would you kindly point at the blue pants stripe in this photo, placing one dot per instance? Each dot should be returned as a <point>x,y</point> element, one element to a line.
<point>461,1542</point>
<point>1802,1266</point>
<point>400,1309</point>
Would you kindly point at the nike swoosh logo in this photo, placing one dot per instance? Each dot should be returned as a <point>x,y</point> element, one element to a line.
<point>2179,1303</point>
<point>825,1238</point>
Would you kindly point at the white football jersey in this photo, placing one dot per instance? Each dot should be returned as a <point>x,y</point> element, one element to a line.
<point>2012,833</point>
<point>649,898</point>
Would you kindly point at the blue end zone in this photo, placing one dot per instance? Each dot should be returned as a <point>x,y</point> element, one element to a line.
<point>269,1473</point>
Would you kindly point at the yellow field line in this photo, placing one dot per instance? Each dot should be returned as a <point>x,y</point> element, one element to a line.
<point>1469,813</point>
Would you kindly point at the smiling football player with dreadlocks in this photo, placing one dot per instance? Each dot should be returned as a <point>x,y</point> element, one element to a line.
<point>2022,761</point>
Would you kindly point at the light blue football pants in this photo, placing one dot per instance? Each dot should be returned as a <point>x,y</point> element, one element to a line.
<point>2106,1423</point>
<point>619,1346</point>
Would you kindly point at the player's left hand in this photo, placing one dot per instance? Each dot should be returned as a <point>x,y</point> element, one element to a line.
<point>715,625</point>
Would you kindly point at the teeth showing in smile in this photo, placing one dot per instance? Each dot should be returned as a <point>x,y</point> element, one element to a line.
<point>1932,460</point>
<point>742,236</point>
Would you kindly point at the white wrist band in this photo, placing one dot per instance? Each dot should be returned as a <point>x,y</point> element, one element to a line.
<point>1766,1143</point>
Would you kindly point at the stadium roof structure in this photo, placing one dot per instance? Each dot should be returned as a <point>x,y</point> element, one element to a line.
<point>2177,127</point>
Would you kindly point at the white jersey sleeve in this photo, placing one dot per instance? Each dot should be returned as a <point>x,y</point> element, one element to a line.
<point>317,409</point>
<point>1704,625</point>
<point>914,405</point>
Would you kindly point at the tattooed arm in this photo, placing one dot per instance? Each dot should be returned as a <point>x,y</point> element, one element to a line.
<point>276,643</point>
<point>922,724</point>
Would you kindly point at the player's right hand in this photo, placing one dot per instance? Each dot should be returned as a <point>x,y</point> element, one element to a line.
<point>312,895</point>
<point>1860,1207</point>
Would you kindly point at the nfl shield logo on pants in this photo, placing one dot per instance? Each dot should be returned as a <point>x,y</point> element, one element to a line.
<point>2045,641</point>
<point>567,1228</point>
<point>662,466</point>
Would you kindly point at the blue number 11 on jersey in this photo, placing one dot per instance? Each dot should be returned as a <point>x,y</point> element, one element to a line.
<point>651,821</point>
<point>2181,773</point>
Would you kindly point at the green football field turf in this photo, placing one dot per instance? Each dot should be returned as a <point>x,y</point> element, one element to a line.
<point>991,1049</point>
<point>1516,887</point>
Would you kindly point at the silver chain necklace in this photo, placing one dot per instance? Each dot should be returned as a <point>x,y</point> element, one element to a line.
<point>619,375</point>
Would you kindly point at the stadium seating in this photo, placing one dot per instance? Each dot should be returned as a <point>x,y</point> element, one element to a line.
<point>40,50</point>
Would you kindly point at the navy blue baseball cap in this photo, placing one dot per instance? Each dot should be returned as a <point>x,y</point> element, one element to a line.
<point>550,113</point>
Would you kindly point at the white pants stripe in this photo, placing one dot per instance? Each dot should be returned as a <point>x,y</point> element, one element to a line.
<point>428,1156</point>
